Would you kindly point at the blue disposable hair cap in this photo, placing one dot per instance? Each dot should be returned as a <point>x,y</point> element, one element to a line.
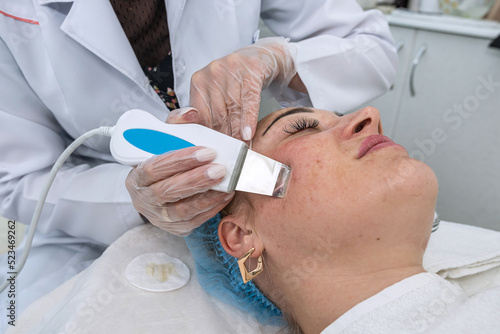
<point>219,274</point>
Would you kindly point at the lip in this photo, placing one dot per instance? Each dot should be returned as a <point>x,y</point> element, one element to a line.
<point>373,143</point>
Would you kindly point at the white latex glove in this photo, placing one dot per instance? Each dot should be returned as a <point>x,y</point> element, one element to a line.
<point>172,190</point>
<point>227,91</point>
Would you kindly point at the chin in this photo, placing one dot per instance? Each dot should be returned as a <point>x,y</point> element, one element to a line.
<point>415,197</point>
<point>427,181</point>
<point>413,180</point>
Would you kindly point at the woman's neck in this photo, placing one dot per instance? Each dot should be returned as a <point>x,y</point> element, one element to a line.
<point>319,299</point>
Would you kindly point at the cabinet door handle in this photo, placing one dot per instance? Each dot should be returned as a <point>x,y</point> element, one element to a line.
<point>416,60</point>
<point>399,45</point>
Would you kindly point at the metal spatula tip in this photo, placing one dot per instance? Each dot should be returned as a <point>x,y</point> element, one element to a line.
<point>282,181</point>
<point>263,175</point>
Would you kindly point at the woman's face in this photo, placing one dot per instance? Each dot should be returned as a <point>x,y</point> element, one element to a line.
<point>349,185</point>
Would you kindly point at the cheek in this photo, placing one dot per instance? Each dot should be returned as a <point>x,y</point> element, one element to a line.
<point>321,176</point>
<point>319,172</point>
<point>309,165</point>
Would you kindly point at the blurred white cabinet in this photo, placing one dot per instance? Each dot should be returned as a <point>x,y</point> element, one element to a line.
<point>444,108</point>
<point>390,101</point>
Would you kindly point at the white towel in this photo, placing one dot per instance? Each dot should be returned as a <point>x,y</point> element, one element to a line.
<point>480,314</point>
<point>464,254</point>
<point>423,303</point>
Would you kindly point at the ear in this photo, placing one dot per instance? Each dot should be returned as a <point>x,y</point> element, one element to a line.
<point>237,237</point>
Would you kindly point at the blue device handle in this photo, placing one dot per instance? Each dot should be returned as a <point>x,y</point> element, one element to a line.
<point>155,142</point>
<point>138,135</point>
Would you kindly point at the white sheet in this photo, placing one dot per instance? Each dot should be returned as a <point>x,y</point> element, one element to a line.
<point>101,300</point>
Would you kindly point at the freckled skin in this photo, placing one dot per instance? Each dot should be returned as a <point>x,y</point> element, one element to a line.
<point>333,192</point>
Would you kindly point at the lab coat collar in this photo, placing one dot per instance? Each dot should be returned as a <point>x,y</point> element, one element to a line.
<point>94,25</point>
<point>174,13</point>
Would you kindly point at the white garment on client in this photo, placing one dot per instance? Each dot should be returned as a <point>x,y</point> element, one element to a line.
<point>423,303</point>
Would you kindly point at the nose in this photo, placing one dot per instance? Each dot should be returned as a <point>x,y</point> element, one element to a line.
<point>366,120</point>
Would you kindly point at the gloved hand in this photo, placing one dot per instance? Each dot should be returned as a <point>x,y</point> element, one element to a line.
<point>227,91</point>
<point>172,190</point>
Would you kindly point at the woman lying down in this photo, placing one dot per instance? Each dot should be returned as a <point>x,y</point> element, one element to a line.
<point>342,252</point>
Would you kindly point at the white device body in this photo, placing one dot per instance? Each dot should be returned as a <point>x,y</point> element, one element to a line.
<point>230,151</point>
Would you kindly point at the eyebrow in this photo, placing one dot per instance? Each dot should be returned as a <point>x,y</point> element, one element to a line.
<point>287,113</point>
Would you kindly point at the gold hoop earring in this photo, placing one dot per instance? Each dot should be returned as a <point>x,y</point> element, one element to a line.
<point>245,275</point>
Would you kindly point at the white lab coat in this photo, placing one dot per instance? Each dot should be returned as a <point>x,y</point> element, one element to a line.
<point>66,67</point>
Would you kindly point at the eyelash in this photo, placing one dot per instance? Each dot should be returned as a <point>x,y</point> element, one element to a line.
<point>301,124</point>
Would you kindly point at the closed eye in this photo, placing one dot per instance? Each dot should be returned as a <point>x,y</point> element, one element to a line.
<point>300,124</point>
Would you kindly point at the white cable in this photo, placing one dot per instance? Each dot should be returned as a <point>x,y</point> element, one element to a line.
<point>103,131</point>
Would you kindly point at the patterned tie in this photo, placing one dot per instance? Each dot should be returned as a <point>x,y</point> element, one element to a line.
<point>145,25</point>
